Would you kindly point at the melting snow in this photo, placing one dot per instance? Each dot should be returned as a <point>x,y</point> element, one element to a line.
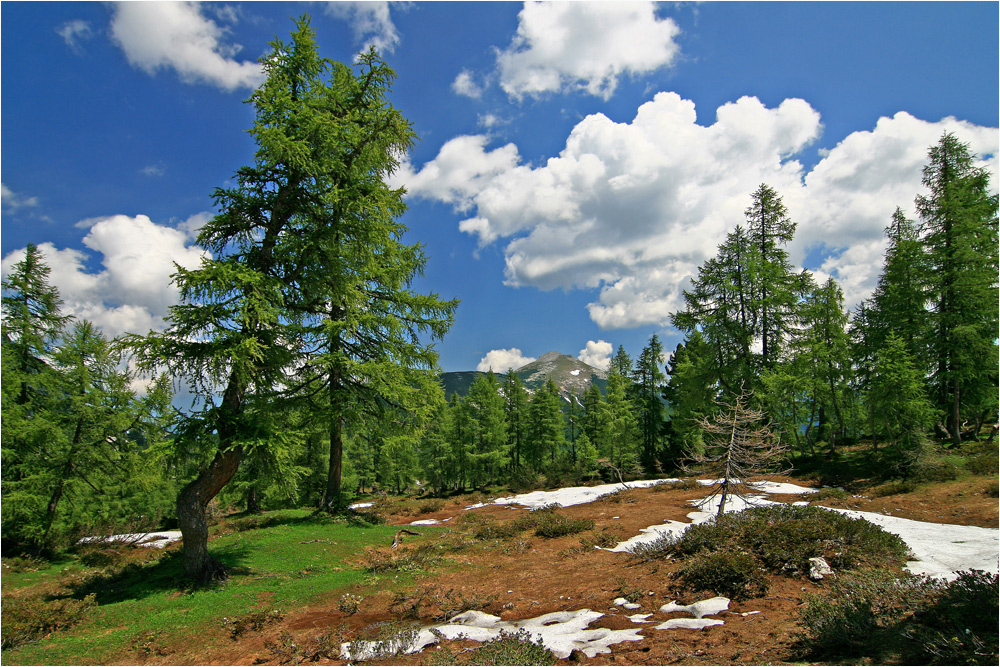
<point>573,495</point>
<point>709,607</point>
<point>157,540</point>
<point>561,632</point>
<point>940,550</point>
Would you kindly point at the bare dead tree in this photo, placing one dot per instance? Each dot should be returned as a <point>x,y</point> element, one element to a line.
<point>738,447</point>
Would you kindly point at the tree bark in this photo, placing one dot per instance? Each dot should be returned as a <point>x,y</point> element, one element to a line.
<point>192,505</point>
<point>332,498</point>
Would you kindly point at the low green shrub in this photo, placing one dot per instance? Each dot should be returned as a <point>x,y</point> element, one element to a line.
<point>733,574</point>
<point>658,549</point>
<point>494,530</point>
<point>960,626</point>
<point>252,622</point>
<point>893,488</point>
<point>982,464</point>
<point>104,556</point>
<point>558,525</point>
<point>992,489</point>
<point>378,560</point>
<point>513,648</point>
<point>785,537</point>
<point>430,506</point>
<point>886,617</point>
<point>829,493</point>
<point>28,618</point>
<point>935,470</point>
<point>604,538</point>
<point>686,484</point>
<point>19,564</point>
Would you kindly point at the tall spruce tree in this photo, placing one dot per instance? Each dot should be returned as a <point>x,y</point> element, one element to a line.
<point>648,379</point>
<point>308,271</point>
<point>958,223</point>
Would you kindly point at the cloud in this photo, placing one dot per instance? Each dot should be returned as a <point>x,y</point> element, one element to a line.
<point>500,361</point>
<point>597,354</point>
<point>12,202</point>
<point>465,85</point>
<point>74,33</point>
<point>853,191</point>
<point>632,209</point>
<point>584,46</point>
<point>133,291</point>
<point>177,35</point>
<point>371,22</point>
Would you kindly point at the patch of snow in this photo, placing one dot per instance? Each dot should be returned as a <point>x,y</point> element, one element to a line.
<point>625,604</point>
<point>425,522</point>
<point>358,506</point>
<point>940,550</point>
<point>576,372</point>
<point>639,618</point>
<point>561,632</point>
<point>573,495</point>
<point>690,623</point>
<point>709,607</point>
<point>157,540</point>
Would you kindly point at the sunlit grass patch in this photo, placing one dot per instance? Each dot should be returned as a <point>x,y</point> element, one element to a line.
<point>290,563</point>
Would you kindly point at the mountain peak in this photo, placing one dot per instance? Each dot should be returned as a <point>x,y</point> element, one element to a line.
<point>571,375</point>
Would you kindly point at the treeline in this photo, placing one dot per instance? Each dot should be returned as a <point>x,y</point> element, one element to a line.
<point>85,450</point>
<point>919,355</point>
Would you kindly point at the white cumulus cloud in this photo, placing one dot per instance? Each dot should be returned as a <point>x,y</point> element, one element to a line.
<point>597,354</point>
<point>179,36</point>
<point>631,209</point>
<point>371,22</point>
<point>586,46</point>
<point>133,290</point>
<point>466,86</point>
<point>500,361</point>
<point>74,33</point>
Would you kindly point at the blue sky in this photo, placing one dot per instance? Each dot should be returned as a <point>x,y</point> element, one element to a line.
<point>576,163</point>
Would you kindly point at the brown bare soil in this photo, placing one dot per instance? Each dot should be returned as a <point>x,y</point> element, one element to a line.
<point>528,576</point>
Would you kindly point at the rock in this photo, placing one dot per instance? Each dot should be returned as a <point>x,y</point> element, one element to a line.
<point>819,568</point>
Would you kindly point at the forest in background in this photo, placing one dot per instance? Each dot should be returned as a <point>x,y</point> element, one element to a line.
<point>314,364</point>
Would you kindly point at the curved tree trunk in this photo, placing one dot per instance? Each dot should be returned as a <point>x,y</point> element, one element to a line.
<point>192,503</point>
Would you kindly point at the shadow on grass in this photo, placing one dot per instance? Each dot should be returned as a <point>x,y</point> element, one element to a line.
<point>849,469</point>
<point>137,581</point>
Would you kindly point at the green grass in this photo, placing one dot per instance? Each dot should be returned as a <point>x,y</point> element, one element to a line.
<point>285,566</point>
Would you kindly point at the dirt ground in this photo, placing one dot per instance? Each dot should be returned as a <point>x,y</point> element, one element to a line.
<point>525,578</point>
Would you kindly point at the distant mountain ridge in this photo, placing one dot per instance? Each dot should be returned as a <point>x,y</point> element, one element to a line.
<point>572,376</point>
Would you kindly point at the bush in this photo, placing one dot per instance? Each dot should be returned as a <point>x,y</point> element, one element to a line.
<point>733,574</point>
<point>252,622</point>
<point>829,493</point>
<point>960,626</point>
<point>509,648</point>
<point>558,525</point>
<point>982,464</point>
<point>785,537</point>
<point>659,549</point>
<point>378,560</point>
<point>604,538</point>
<point>893,488</point>
<point>916,620</point>
<point>25,619</point>
<point>934,470</point>
<point>20,564</point>
<point>992,489</point>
